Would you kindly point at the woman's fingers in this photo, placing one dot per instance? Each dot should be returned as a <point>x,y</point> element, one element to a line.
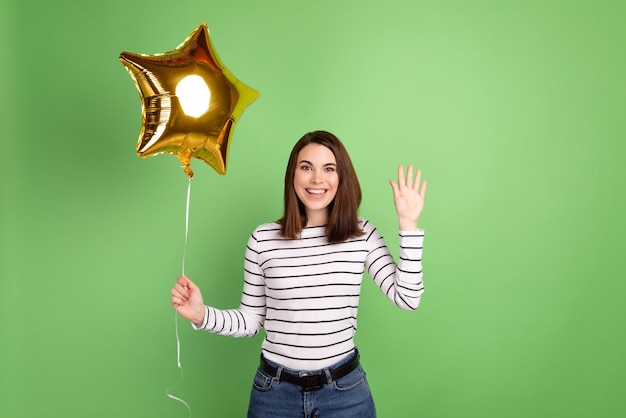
<point>180,290</point>
<point>409,176</point>
<point>401,179</point>
<point>418,177</point>
<point>423,189</point>
<point>408,181</point>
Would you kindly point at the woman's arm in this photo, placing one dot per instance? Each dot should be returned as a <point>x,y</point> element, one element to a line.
<point>246,321</point>
<point>402,282</point>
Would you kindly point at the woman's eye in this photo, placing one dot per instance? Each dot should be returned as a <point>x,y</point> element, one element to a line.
<point>305,168</point>
<point>330,169</point>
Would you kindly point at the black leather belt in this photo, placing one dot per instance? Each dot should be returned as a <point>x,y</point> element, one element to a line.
<point>310,382</point>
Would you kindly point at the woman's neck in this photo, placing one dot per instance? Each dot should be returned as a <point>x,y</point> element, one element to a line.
<point>317,218</point>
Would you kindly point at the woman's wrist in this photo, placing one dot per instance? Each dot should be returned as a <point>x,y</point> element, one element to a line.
<point>202,315</point>
<point>407,224</point>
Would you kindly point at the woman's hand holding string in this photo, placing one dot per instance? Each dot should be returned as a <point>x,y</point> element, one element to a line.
<point>187,300</point>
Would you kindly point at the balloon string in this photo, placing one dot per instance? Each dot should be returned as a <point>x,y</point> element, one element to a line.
<point>178,362</point>
<point>180,367</point>
<point>186,223</point>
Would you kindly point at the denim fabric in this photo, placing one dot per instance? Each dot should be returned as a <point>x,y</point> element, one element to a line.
<point>347,397</point>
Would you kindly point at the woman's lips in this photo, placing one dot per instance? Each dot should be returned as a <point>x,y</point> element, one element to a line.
<point>316,193</point>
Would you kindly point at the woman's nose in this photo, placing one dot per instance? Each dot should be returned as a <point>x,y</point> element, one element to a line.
<point>316,177</point>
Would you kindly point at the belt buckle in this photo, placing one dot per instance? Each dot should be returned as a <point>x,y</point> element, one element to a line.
<point>312,382</point>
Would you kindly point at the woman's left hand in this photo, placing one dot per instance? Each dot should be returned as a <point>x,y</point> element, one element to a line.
<point>408,196</point>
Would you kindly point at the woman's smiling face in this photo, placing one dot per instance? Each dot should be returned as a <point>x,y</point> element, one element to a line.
<point>315,182</point>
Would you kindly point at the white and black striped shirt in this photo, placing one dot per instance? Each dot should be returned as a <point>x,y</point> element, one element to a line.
<point>305,292</point>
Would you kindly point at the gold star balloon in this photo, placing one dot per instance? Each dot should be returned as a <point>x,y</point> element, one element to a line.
<point>190,101</point>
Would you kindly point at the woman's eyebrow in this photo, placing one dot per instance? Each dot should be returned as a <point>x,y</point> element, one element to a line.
<point>310,163</point>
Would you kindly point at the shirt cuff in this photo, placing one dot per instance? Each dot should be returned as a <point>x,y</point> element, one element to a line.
<point>417,233</point>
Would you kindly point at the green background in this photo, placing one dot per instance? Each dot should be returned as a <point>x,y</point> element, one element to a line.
<point>515,110</point>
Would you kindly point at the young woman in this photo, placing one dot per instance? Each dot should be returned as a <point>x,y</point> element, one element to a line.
<point>302,281</point>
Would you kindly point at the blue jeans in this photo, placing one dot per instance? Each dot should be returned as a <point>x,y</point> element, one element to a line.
<point>347,397</point>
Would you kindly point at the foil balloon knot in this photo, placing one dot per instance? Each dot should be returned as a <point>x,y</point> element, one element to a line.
<point>190,102</point>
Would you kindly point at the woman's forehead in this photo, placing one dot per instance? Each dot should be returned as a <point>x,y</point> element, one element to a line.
<point>316,153</point>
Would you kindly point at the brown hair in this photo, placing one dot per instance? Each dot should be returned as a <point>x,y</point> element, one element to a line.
<point>343,220</point>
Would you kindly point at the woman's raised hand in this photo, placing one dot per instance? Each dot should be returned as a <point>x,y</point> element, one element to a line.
<point>408,196</point>
<point>187,300</point>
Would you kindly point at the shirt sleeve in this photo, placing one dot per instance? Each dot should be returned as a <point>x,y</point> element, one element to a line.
<point>402,282</point>
<point>249,318</point>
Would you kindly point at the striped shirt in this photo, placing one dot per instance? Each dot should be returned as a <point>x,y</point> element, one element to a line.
<point>305,292</point>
